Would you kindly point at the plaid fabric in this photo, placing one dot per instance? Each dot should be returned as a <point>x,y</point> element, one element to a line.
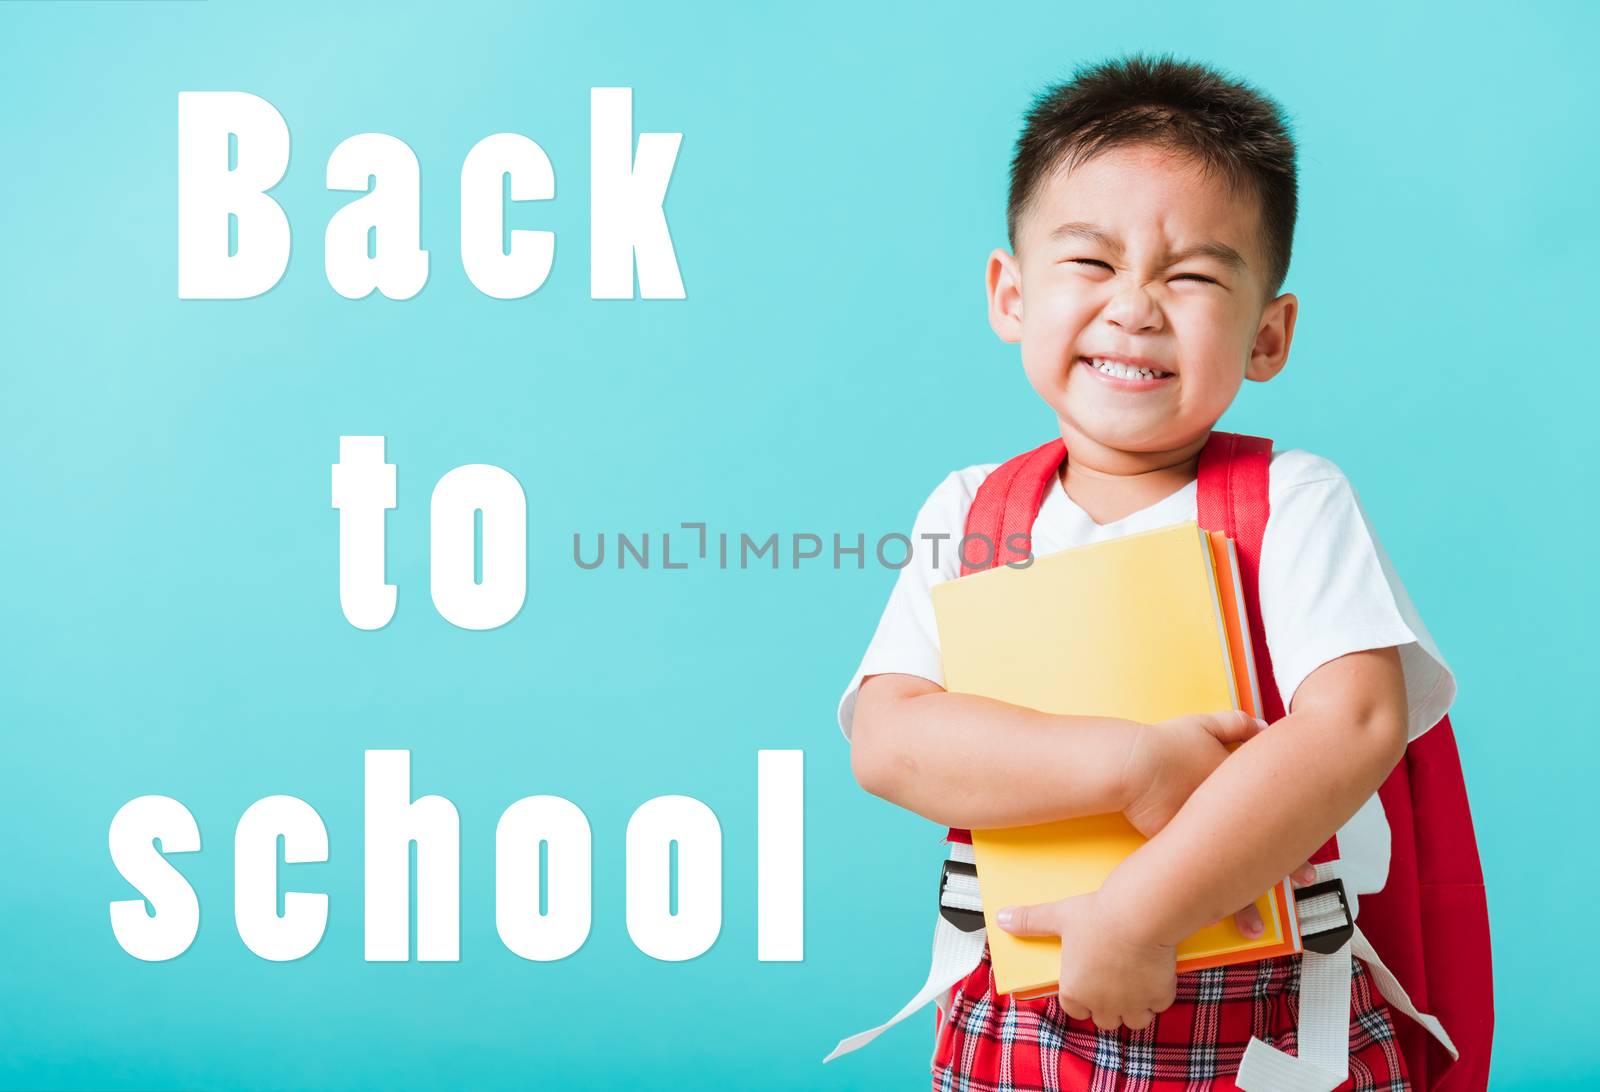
<point>993,1043</point>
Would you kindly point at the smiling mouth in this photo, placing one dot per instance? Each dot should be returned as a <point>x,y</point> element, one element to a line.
<point>1116,369</point>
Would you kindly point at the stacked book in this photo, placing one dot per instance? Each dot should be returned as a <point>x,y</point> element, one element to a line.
<point>1147,627</point>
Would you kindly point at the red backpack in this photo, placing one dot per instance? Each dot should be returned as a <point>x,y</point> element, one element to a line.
<point>1430,922</point>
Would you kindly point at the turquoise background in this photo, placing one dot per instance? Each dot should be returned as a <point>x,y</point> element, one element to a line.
<point>171,617</point>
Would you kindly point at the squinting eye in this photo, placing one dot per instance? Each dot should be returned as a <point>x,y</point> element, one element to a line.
<point>1096,262</point>
<point>1193,277</point>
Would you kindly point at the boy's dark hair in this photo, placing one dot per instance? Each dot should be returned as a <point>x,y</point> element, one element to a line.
<point>1227,125</point>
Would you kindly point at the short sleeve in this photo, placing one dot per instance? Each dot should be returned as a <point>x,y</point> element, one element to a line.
<point>1328,589</point>
<point>906,641</point>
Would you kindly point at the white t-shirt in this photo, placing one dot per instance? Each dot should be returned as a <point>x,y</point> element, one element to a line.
<point>1326,590</point>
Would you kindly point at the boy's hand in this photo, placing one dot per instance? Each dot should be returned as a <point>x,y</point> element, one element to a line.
<point>1168,762</point>
<point>1108,974</point>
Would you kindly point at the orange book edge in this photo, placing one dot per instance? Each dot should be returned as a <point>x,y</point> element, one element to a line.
<point>1246,684</point>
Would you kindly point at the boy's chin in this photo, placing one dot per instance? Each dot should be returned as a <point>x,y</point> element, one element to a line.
<point>1134,437</point>
<point>1128,439</point>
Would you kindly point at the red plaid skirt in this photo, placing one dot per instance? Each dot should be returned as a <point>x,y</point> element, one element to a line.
<point>997,1044</point>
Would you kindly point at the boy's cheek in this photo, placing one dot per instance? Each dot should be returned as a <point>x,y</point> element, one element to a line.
<point>1045,371</point>
<point>1048,339</point>
<point>1213,373</point>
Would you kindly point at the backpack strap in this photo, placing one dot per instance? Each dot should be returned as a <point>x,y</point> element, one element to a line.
<point>1007,503</point>
<point>1233,497</point>
<point>1002,516</point>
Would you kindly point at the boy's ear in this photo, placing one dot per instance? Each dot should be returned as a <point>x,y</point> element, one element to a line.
<point>1271,350</point>
<point>1004,280</point>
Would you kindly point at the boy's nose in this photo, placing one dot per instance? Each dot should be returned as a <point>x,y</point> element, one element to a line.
<point>1132,310</point>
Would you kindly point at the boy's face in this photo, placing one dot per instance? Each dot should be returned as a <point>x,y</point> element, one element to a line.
<point>1139,259</point>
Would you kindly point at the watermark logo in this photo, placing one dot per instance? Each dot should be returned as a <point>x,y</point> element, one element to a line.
<point>695,544</point>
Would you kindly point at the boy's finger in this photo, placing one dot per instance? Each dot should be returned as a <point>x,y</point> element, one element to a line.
<point>1028,921</point>
<point>1305,875</point>
<point>1249,921</point>
<point>1073,1009</point>
<point>1233,726</point>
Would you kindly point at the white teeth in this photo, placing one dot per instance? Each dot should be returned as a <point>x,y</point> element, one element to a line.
<point>1123,371</point>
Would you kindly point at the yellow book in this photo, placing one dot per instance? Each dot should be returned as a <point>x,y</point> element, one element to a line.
<point>1134,627</point>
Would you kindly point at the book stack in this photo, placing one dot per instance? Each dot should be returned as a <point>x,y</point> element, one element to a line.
<point>1146,627</point>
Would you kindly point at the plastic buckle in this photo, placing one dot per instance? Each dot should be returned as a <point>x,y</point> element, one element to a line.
<point>1327,941</point>
<point>968,921</point>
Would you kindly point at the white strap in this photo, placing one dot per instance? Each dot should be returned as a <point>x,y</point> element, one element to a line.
<point>1394,993</point>
<point>1323,1061</point>
<point>955,954</point>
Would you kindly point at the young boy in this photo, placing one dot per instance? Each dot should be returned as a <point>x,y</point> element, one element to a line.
<point>1151,218</point>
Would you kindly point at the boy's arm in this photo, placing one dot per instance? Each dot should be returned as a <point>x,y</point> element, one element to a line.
<point>966,761</point>
<point>1269,806</point>
<point>1272,803</point>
